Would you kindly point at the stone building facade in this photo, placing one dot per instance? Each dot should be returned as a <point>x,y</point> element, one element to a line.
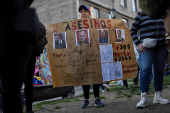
<point>56,11</point>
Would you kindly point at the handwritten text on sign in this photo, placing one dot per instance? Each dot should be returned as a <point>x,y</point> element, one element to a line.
<point>90,51</point>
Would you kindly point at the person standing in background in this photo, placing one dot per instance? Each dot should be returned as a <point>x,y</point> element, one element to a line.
<point>150,56</point>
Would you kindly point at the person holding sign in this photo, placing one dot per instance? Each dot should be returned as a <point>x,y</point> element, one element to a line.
<point>85,13</point>
<point>150,29</point>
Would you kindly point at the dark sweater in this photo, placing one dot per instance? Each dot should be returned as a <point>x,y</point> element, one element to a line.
<point>149,28</point>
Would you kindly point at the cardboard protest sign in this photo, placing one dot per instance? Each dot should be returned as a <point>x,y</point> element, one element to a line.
<point>90,51</point>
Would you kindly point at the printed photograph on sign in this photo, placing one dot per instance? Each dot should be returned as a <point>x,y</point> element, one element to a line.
<point>103,36</point>
<point>59,40</point>
<point>82,37</point>
<point>120,36</point>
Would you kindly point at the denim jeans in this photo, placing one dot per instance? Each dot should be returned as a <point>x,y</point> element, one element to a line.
<point>156,57</point>
<point>167,73</point>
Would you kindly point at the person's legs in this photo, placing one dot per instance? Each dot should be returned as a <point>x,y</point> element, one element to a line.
<point>96,88</point>
<point>86,91</point>
<point>159,65</point>
<point>12,79</point>
<point>166,73</point>
<point>86,95</point>
<point>125,83</point>
<point>135,80</point>
<point>28,91</point>
<point>146,60</point>
<point>96,95</point>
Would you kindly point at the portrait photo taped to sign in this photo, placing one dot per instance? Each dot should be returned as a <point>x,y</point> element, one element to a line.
<point>95,51</point>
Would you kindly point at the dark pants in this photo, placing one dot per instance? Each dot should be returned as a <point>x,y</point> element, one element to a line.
<point>13,73</point>
<point>95,90</point>
<point>28,91</point>
<point>14,57</point>
<point>135,80</point>
<point>125,83</point>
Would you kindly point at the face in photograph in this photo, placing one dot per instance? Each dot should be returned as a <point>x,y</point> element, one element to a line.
<point>59,37</point>
<point>82,37</point>
<point>120,36</point>
<point>103,36</point>
<point>60,41</point>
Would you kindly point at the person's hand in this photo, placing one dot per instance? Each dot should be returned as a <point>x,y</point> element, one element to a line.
<point>167,42</point>
<point>141,48</point>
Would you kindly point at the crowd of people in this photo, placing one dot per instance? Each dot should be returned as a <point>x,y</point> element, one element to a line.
<point>25,56</point>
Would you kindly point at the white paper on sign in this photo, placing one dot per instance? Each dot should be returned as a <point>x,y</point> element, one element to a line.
<point>106,53</point>
<point>103,53</point>
<point>105,72</point>
<point>111,71</point>
<point>109,53</point>
<point>118,68</point>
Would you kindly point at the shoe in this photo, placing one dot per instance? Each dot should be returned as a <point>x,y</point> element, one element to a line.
<point>103,91</point>
<point>158,99</point>
<point>98,103</point>
<point>144,101</point>
<point>106,86</point>
<point>126,87</point>
<point>136,85</point>
<point>85,104</point>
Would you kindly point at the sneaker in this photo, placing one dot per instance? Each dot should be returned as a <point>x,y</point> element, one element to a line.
<point>136,85</point>
<point>98,103</point>
<point>103,91</point>
<point>85,103</point>
<point>106,86</point>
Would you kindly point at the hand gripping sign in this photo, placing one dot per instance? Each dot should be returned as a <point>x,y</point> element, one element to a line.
<point>90,51</point>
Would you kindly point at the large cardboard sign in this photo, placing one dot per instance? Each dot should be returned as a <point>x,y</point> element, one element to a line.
<point>90,51</point>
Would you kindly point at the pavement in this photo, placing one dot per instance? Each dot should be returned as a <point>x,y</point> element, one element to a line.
<point>112,103</point>
<point>78,91</point>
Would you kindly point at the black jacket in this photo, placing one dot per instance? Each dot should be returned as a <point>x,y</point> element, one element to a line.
<point>9,41</point>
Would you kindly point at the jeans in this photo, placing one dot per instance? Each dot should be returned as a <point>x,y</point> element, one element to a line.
<point>156,57</point>
<point>167,73</point>
<point>101,86</point>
